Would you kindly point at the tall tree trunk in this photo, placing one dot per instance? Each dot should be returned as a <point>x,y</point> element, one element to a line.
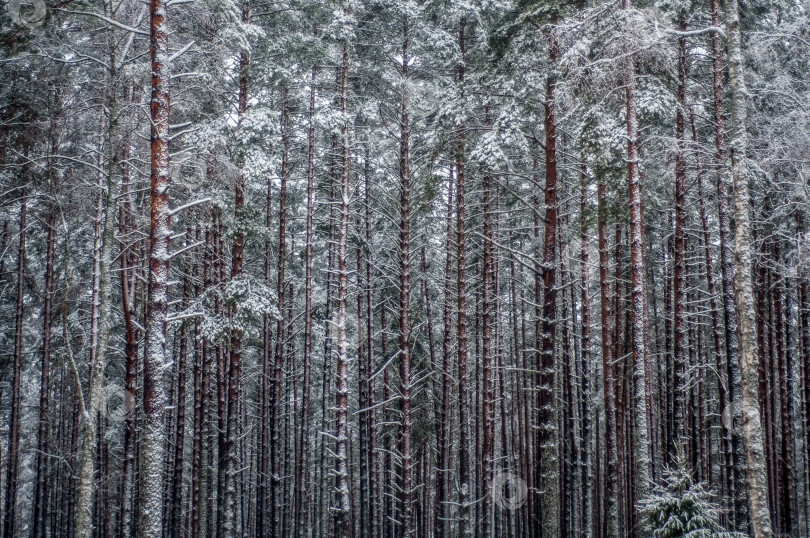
<point>364,413</point>
<point>153,437</point>
<point>371,427</point>
<point>176,499</point>
<point>461,312</point>
<point>265,508</point>
<point>324,519</point>
<point>727,278</point>
<point>12,468</point>
<point>230,457</point>
<point>343,527</point>
<point>199,401</point>
<point>446,420</point>
<point>42,466</point>
<point>586,443</point>
<point>642,361</point>
<point>548,469</point>
<point>487,382</point>
<point>679,408</point>
<point>406,488</point>
<point>129,259</point>
<point>752,427</point>
<point>206,493</point>
<point>609,383</point>
<point>276,408</point>
<point>803,337</point>
<point>727,471</point>
<point>785,459</point>
<point>91,403</point>
<point>303,519</point>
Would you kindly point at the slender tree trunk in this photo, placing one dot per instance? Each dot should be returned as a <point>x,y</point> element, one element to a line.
<point>277,406</point>
<point>302,480</point>
<point>406,488</point>
<point>180,423</point>
<point>91,403</point>
<point>208,366</point>
<point>727,471</point>
<point>785,459</point>
<point>679,410</point>
<point>487,382</point>
<point>153,437</point>
<point>548,469</point>
<point>371,427</point>
<point>42,466</point>
<point>343,527</point>
<point>727,277</point>
<point>803,304</point>
<point>199,399</point>
<point>324,520</point>
<point>265,509</point>
<point>365,520</point>
<point>461,323</point>
<point>752,427</point>
<point>586,443</point>
<point>642,361</point>
<point>446,420</point>
<point>230,457</point>
<point>12,468</point>
<point>609,383</point>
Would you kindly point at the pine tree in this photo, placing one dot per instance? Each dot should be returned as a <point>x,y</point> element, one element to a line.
<point>679,507</point>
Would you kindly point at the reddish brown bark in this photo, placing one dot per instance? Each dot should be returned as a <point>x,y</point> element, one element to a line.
<point>608,381</point>
<point>548,515</point>
<point>152,441</point>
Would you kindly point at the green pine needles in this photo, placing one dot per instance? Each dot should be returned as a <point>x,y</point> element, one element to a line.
<point>679,507</point>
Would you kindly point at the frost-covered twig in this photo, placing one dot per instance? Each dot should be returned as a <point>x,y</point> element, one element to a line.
<point>176,210</point>
<point>108,21</point>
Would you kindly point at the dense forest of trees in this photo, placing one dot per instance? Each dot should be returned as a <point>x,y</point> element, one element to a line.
<point>404,268</point>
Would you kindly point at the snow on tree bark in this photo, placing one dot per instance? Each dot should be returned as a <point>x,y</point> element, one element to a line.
<point>406,489</point>
<point>751,424</point>
<point>642,361</point>
<point>465,488</point>
<point>155,362</point>
<point>341,470</point>
<point>92,403</point>
<point>547,442</point>
<point>13,465</point>
<point>608,375</point>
